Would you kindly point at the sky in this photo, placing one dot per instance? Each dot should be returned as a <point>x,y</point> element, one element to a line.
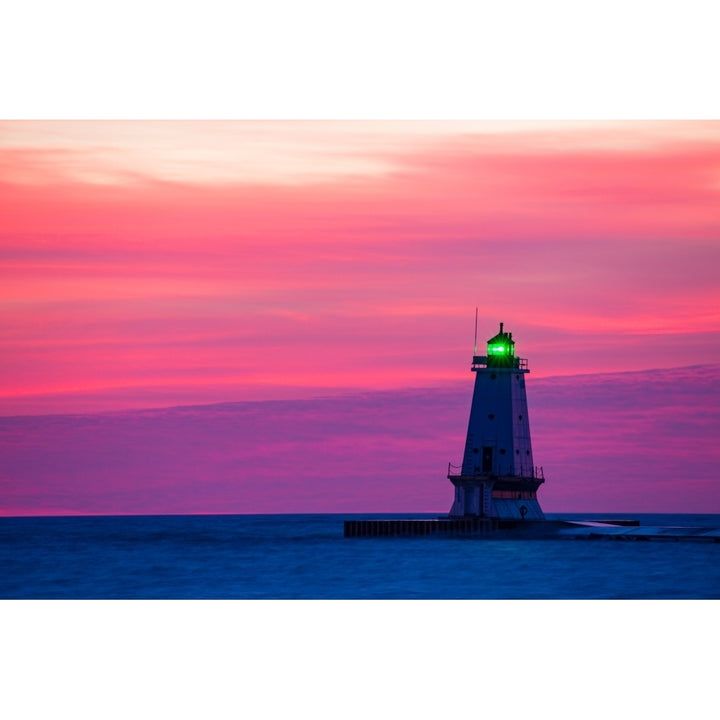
<point>615,442</point>
<point>156,264</point>
<point>152,263</point>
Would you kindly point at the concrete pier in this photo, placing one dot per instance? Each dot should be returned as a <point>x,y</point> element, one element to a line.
<point>484,527</point>
<point>425,526</point>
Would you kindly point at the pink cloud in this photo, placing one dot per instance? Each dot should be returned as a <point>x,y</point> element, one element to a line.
<point>600,256</point>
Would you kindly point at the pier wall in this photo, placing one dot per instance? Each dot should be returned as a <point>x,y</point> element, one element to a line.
<point>439,526</point>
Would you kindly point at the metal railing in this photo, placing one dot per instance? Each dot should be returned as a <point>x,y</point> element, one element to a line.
<point>535,471</point>
<point>514,363</point>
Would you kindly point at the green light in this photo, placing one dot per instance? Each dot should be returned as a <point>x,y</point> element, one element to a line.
<point>497,348</point>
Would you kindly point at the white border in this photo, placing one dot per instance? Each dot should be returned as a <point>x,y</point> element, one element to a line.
<point>358,659</point>
<point>377,59</point>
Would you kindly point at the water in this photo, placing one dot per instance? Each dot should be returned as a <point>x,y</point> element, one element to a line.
<point>306,556</point>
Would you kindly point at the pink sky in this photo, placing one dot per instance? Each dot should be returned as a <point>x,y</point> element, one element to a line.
<point>154,264</point>
<point>151,263</point>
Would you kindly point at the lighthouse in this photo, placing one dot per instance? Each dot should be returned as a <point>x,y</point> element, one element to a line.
<point>496,485</point>
<point>498,478</point>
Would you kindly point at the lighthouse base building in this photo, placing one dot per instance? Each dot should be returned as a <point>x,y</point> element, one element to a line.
<point>497,478</point>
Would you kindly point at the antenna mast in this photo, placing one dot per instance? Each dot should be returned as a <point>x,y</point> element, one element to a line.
<point>476,315</point>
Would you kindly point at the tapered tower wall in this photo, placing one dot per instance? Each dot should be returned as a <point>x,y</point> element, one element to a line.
<point>498,436</point>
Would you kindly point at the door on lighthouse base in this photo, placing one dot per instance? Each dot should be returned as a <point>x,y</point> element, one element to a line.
<point>487,460</point>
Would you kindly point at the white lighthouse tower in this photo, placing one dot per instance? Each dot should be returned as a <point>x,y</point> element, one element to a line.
<point>498,478</point>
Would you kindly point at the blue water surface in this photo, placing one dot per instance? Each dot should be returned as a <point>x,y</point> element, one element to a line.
<point>306,556</point>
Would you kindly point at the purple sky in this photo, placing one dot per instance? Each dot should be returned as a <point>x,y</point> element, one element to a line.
<point>622,442</point>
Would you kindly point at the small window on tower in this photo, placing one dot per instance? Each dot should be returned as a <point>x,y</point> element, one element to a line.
<point>502,451</point>
<point>491,416</point>
<point>519,417</point>
<point>493,376</point>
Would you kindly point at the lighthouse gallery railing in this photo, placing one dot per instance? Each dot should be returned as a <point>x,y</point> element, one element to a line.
<point>525,472</point>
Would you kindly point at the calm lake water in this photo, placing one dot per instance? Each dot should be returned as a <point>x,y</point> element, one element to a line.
<point>306,556</point>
